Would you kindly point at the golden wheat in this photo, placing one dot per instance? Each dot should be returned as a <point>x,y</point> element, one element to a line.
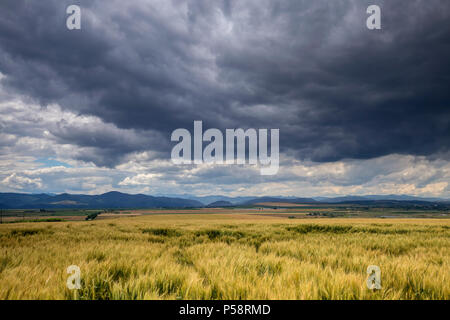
<point>226,257</point>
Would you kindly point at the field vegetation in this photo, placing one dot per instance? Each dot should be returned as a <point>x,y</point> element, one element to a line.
<point>226,256</point>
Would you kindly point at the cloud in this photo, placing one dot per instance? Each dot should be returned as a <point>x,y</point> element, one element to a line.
<point>48,131</point>
<point>359,111</point>
<point>140,179</point>
<point>394,174</point>
<point>335,89</point>
<point>18,182</point>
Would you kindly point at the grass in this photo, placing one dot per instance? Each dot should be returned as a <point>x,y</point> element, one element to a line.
<point>36,220</point>
<point>226,257</point>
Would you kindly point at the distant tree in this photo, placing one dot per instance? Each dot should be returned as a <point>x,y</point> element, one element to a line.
<point>92,216</point>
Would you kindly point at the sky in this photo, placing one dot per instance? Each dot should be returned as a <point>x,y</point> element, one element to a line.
<point>359,111</point>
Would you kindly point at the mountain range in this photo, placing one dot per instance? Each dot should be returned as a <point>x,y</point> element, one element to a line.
<point>107,200</point>
<point>116,199</point>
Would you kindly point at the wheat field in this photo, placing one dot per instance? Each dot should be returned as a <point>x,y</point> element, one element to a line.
<point>226,256</point>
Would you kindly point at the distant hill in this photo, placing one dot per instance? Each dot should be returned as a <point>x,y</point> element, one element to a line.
<point>107,200</point>
<point>279,200</point>
<point>377,198</point>
<point>123,200</point>
<point>341,199</point>
<point>400,204</point>
<point>213,198</point>
<point>220,204</point>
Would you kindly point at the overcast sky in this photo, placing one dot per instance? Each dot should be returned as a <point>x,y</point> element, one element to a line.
<point>359,111</point>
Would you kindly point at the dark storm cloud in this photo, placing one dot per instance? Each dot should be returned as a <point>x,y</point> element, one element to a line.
<point>311,68</point>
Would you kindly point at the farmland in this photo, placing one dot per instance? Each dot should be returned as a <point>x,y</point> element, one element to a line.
<point>246,253</point>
